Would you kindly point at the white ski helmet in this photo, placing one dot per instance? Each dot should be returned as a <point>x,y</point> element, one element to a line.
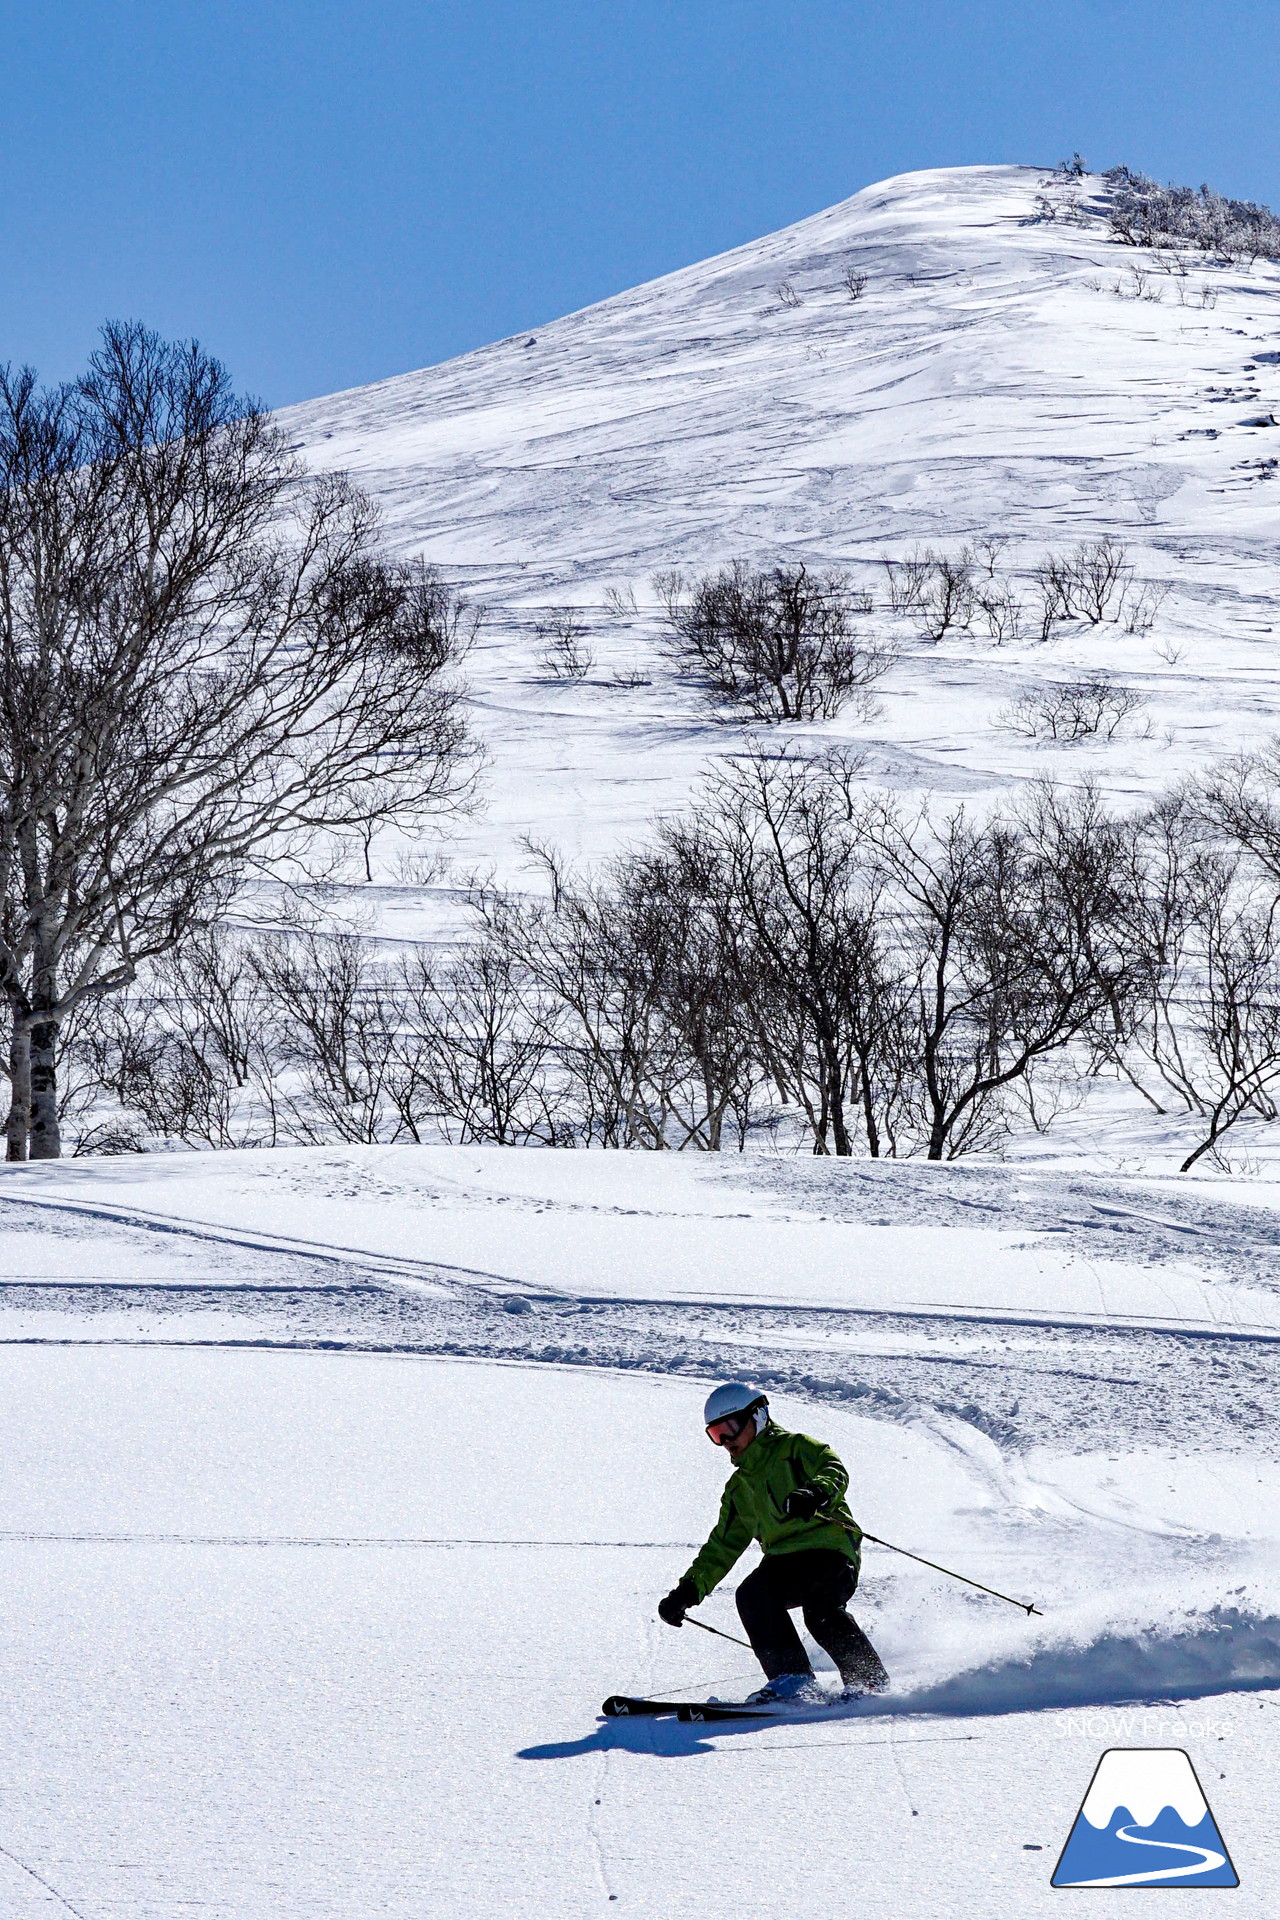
<point>735,1396</point>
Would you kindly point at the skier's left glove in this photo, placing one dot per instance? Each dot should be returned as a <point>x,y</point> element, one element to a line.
<point>677,1603</point>
<point>803,1502</point>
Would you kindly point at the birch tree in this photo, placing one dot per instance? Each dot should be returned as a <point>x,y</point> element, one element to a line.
<point>206,670</point>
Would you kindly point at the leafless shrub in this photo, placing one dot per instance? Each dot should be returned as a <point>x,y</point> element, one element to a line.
<point>628,679</point>
<point>1002,610</point>
<point>909,581</point>
<point>1097,575</point>
<point>786,294</point>
<point>671,588</point>
<point>1138,286</point>
<point>1142,213</point>
<point>779,644</point>
<point>1140,607</point>
<point>1083,585</point>
<point>854,283</point>
<point>414,868</point>
<point>950,598</point>
<point>566,652</point>
<point>620,603</point>
<point>1072,710</point>
<point>1065,208</point>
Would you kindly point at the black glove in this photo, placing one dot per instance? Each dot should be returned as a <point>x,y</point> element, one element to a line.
<point>803,1502</point>
<point>677,1603</point>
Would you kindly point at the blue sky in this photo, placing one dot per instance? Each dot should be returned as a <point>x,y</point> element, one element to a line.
<point>327,193</point>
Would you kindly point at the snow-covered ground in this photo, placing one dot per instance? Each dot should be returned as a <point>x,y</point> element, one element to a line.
<point>339,1486</point>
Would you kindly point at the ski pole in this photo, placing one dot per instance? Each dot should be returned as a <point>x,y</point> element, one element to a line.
<point>719,1635</point>
<point>952,1574</point>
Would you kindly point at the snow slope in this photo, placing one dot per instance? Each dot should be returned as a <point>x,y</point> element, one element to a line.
<point>997,376</point>
<point>332,1504</point>
<point>337,1486</point>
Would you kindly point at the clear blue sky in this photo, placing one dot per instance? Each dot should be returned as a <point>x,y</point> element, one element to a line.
<point>328,192</point>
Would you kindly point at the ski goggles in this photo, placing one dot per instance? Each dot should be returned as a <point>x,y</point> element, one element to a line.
<point>722,1431</point>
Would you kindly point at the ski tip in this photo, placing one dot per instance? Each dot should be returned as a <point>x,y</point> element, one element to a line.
<point>620,1704</point>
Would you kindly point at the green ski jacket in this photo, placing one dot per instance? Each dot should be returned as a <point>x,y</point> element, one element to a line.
<point>773,1465</point>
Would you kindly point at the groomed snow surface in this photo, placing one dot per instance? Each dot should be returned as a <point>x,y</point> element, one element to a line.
<point>339,1486</point>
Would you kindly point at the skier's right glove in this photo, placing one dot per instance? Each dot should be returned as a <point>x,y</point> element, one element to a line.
<point>677,1603</point>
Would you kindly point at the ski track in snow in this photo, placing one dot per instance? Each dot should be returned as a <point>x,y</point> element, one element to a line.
<point>1070,1383</point>
<point>1112,1471</point>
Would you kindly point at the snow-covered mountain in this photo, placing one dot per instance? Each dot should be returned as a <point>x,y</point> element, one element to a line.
<point>980,382</point>
<point>1001,373</point>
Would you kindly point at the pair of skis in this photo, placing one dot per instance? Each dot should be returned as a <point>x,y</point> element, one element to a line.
<point>619,1705</point>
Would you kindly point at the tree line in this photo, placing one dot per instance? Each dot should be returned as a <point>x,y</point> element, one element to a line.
<point>792,952</point>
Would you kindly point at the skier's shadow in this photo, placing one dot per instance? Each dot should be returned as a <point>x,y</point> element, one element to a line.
<point>658,1738</point>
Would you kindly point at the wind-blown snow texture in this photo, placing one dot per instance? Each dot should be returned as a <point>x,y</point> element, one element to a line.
<point>988,381</point>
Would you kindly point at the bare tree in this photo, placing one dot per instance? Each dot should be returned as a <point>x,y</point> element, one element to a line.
<point>909,581</point>
<point>566,653</point>
<point>1072,710</point>
<point>1234,1011</point>
<point>1097,576</point>
<point>335,1015</point>
<point>476,1052</point>
<point>1002,609</point>
<point>611,1041</point>
<point>781,644</point>
<point>1140,607</point>
<point>1240,799</point>
<point>1053,583</point>
<point>806,943</point>
<point>1014,934</point>
<point>669,901</point>
<point>205,669</point>
<point>951,597</point>
<point>188,1048</point>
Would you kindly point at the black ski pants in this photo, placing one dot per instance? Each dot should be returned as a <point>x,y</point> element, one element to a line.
<point>820,1581</point>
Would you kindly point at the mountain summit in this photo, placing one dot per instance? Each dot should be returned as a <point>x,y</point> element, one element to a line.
<point>999,369</point>
<point>947,356</point>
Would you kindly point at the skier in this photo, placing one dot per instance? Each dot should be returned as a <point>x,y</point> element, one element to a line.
<point>787,1492</point>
